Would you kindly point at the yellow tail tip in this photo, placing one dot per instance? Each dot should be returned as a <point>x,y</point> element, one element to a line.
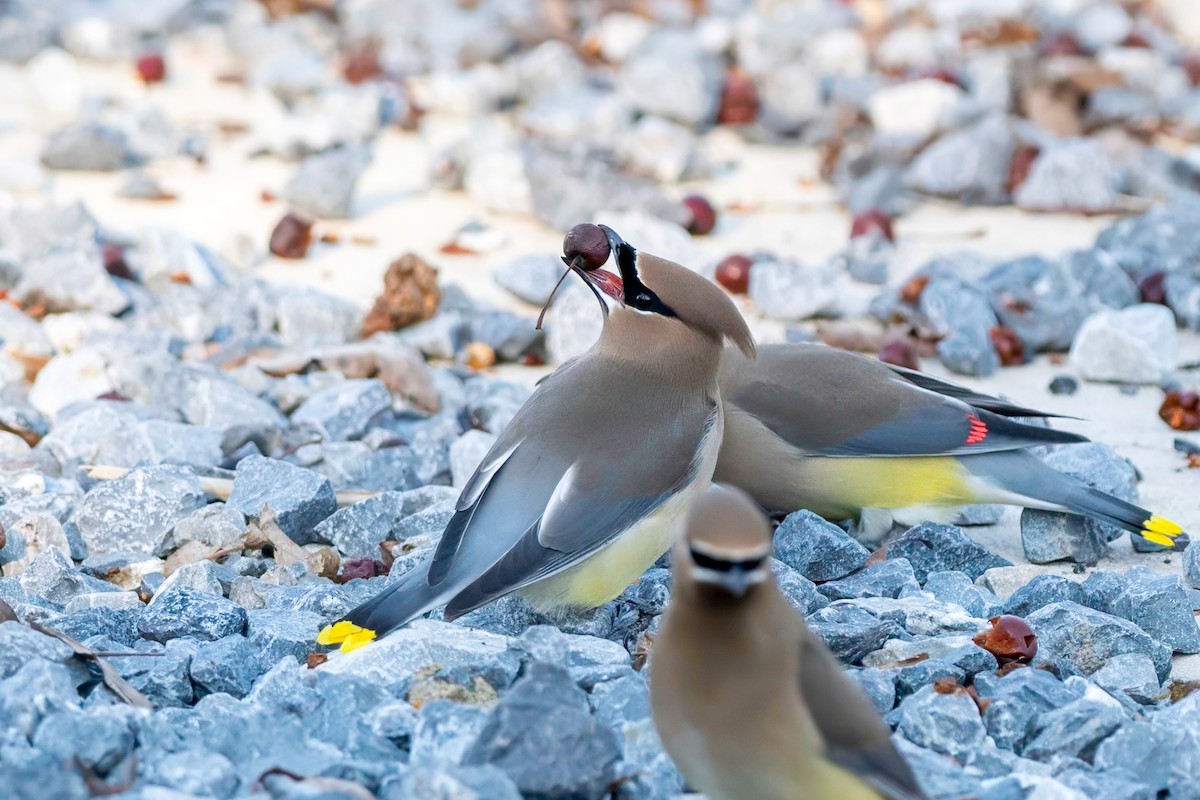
<point>1157,524</point>
<point>347,634</point>
<point>1158,538</point>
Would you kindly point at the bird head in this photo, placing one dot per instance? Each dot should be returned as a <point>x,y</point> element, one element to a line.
<point>726,547</point>
<point>647,285</point>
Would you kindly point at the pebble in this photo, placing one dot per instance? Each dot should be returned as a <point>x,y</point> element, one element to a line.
<point>791,291</point>
<point>324,184</point>
<point>1132,674</point>
<point>885,579</point>
<point>187,612</point>
<point>544,738</point>
<point>88,146</point>
<point>1160,606</point>
<point>945,723</point>
<point>299,498</point>
<point>816,548</point>
<point>970,165</point>
<point>1137,344</point>
<point>1051,536</point>
<point>930,547</point>
<point>344,410</point>
<point>1085,639</point>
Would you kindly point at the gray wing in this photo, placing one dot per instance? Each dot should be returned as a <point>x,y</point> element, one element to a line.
<point>856,738</point>
<point>831,402</point>
<point>969,396</point>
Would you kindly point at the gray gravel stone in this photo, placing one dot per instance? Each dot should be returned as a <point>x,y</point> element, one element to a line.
<point>945,723</point>
<point>970,165</point>
<point>1075,175</point>
<point>879,685</point>
<point>1160,606</point>
<point>1086,639</point>
<point>199,576</point>
<point>324,184</point>
<point>445,731</point>
<point>136,512</point>
<point>118,625</point>
<point>276,634</point>
<point>672,75</point>
<point>19,644</point>
<point>961,314</point>
<point>1101,590</point>
<point>852,632</point>
<point>35,691</point>
<point>196,771</point>
<point>624,705</point>
<point>100,739</point>
<point>816,548</point>
<point>394,660</point>
<point>227,665</point>
<point>344,410</point>
<point>799,591</point>
<point>1074,730</point>
<point>930,547</point>
<point>542,735</point>
<point>1138,344</point>
<point>428,782</point>
<point>1132,674</point>
<point>951,586</point>
<point>885,579</point>
<point>1017,700</point>
<point>531,277</point>
<point>301,499</point>
<point>216,525</point>
<point>1050,536</point>
<point>53,577</point>
<point>88,146</point>
<point>186,612</point>
<point>1191,564</point>
<point>1042,591</point>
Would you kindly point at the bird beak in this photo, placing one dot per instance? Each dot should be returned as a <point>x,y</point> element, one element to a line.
<point>734,580</point>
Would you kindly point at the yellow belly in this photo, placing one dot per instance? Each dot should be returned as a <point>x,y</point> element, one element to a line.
<point>607,573</point>
<point>844,486</point>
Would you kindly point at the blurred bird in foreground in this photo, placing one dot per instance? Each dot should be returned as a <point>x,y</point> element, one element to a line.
<point>749,703</point>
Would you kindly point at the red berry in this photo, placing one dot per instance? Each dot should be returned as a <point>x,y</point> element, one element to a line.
<point>114,262</point>
<point>1153,288</point>
<point>872,220</point>
<point>1008,346</point>
<point>899,352</point>
<point>1020,165</point>
<point>1062,44</point>
<point>291,237</point>
<point>362,63</point>
<point>1009,639</point>
<point>733,272</point>
<point>739,99</point>
<point>150,67</point>
<point>587,244</point>
<point>704,216</point>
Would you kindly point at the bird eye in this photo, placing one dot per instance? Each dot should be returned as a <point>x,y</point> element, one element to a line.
<point>642,301</point>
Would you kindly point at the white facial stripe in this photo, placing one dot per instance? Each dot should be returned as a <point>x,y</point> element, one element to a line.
<point>716,577</point>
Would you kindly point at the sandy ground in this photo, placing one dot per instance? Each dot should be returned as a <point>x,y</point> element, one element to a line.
<point>787,210</point>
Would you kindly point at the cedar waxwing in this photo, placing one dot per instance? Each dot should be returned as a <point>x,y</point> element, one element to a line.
<point>591,481</point>
<point>845,436</point>
<point>748,702</point>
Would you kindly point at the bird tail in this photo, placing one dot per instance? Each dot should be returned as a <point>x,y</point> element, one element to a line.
<point>403,601</point>
<point>1020,478</point>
